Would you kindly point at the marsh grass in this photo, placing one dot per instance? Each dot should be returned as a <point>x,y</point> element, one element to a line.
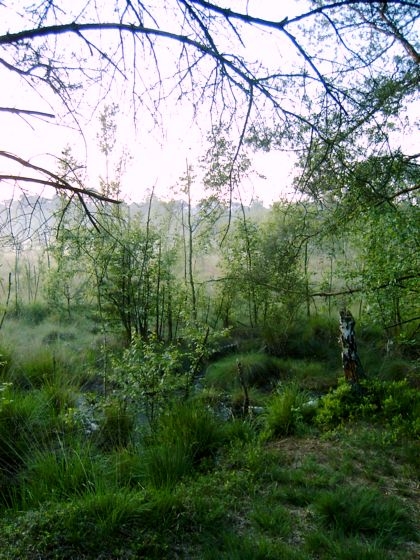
<point>193,427</point>
<point>261,372</point>
<point>282,416</point>
<point>28,422</point>
<point>195,485</point>
<point>272,518</point>
<point>62,474</point>
<point>166,465</point>
<point>184,437</point>
<point>364,512</point>
<point>116,426</point>
<point>337,547</point>
<point>51,352</point>
<point>236,547</point>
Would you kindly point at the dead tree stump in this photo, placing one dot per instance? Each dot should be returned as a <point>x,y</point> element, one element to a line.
<point>242,381</point>
<point>352,366</point>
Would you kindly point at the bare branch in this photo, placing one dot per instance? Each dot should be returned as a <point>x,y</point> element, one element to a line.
<point>53,179</point>
<point>26,112</point>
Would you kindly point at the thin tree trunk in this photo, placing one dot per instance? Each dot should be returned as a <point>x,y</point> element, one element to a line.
<point>352,366</point>
<point>9,291</point>
<point>241,376</point>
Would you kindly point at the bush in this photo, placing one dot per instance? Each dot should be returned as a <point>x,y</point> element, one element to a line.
<point>394,404</point>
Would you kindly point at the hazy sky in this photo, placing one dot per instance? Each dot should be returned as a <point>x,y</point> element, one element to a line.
<point>158,151</point>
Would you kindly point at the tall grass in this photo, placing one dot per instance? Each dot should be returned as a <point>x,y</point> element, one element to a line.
<point>61,474</point>
<point>352,511</point>
<point>282,416</point>
<point>184,436</point>
<point>260,371</point>
<point>27,422</point>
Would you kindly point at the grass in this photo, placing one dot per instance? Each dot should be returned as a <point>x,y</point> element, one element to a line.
<point>261,371</point>
<point>200,485</point>
<point>366,513</point>
<point>291,498</point>
<point>281,416</point>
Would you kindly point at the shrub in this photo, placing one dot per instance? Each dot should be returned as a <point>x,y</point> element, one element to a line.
<point>394,404</point>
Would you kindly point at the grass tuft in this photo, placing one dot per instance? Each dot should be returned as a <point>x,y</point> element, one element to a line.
<point>358,511</point>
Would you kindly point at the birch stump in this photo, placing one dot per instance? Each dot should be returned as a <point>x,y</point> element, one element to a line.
<point>352,366</point>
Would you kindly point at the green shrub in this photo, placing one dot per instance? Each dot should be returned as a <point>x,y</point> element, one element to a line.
<point>393,403</point>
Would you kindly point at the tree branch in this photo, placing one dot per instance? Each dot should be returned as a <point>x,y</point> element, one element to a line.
<point>53,180</point>
<point>26,112</point>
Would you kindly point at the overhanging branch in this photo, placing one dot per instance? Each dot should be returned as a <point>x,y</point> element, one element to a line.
<point>52,179</point>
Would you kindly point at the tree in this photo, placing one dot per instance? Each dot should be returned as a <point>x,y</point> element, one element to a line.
<point>331,71</point>
<point>263,268</point>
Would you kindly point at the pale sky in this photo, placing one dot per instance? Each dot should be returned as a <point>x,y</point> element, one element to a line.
<point>158,151</point>
<point>159,154</point>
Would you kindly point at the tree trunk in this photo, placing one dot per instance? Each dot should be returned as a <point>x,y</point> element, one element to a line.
<point>352,366</point>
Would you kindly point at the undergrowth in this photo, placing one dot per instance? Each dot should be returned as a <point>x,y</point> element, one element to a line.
<point>303,476</point>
